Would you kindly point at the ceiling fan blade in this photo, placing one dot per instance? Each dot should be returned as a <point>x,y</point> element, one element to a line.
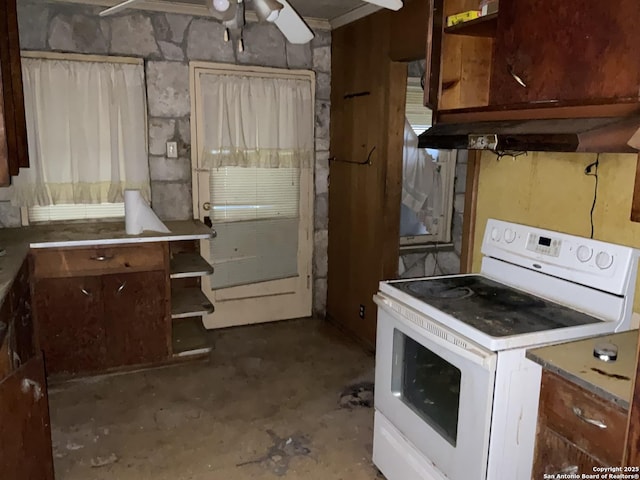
<point>390,4</point>
<point>118,7</point>
<point>292,25</point>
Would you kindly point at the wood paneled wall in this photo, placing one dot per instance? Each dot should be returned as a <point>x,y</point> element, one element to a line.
<point>368,85</point>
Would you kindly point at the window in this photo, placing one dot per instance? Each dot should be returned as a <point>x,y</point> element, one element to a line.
<point>87,130</point>
<point>428,179</point>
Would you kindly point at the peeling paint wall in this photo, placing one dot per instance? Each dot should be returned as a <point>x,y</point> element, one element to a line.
<point>551,190</point>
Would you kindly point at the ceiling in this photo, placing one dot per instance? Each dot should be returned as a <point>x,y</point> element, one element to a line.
<point>321,9</point>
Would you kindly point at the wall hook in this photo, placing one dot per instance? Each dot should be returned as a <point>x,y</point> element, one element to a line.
<point>365,162</point>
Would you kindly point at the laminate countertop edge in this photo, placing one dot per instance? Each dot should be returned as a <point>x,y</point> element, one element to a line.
<point>17,242</point>
<point>574,361</point>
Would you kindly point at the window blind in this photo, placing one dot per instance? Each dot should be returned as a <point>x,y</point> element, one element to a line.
<point>76,211</point>
<point>419,116</point>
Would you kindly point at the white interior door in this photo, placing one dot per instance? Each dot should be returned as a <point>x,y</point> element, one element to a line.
<point>263,218</point>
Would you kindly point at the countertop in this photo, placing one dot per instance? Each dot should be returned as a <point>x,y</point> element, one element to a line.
<point>574,361</point>
<point>17,242</point>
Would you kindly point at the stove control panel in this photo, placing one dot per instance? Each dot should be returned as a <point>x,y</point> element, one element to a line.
<point>605,266</point>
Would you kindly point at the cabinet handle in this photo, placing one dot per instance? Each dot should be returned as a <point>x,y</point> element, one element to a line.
<point>28,384</point>
<point>121,287</point>
<point>570,470</point>
<point>597,423</point>
<point>102,258</point>
<point>516,77</point>
<point>86,292</point>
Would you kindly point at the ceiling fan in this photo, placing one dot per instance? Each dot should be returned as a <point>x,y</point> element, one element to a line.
<point>279,12</point>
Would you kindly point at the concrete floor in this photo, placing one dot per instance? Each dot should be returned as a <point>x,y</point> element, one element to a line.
<point>266,406</point>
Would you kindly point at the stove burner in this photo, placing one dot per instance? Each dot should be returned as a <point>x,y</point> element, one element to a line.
<point>491,307</point>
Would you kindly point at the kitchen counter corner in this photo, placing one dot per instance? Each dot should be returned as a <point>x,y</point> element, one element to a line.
<point>574,361</point>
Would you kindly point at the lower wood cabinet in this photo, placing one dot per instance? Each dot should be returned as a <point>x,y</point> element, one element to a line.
<point>25,431</point>
<point>96,322</point>
<point>577,430</point>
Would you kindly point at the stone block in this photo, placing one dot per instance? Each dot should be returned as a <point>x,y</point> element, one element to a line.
<point>320,297</point>
<point>169,169</point>
<point>416,68</point>
<point>161,27</point>
<point>320,245</point>
<point>9,216</point>
<point>168,89</point>
<point>323,120</point>
<point>172,200</point>
<point>323,86</point>
<point>298,56</point>
<point>322,144</point>
<point>430,266</point>
<point>171,51</point>
<point>448,262</point>
<point>458,203</point>
<point>178,25</point>
<point>205,41</point>
<point>322,172</point>
<point>161,130</point>
<point>416,270</point>
<point>33,25</point>
<point>321,213</point>
<point>77,33</point>
<point>322,38</point>
<point>133,34</point>
<point>461,178</point>
<point>184,130</point>
<point>264,45</point>
<point>322,59</point>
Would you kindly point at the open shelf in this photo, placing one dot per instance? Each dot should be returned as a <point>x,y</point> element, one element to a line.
<point>189,338</point>
<point>479,27</point>
<point>189,264</point>
<point>189,302</point>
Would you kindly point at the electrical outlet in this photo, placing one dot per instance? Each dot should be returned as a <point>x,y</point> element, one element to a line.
<point>172,149</point>
<point>361,312</point>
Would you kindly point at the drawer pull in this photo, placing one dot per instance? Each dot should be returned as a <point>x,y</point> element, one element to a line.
<point>121,287</point>
<point>597,423</point>
<point>101,258</point>
<point>85,292</point>
<point>570,470</point>
<point>516,77</point>
<point>28,384</point>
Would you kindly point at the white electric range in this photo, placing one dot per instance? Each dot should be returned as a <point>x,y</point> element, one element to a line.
<point>455,397</point>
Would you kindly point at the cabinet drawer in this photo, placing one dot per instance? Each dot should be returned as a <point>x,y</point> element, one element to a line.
<point>566,408</point>
<point>73,262</point>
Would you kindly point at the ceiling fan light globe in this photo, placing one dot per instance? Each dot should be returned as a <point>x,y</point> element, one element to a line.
<point>221,5</point>
<point>267,10</point>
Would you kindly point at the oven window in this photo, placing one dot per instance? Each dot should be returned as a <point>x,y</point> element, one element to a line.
<point>428,384</point>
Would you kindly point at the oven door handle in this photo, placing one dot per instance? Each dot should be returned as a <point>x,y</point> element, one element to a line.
<point>438,334</point>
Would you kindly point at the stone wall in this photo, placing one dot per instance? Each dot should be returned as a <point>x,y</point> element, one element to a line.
<point>168,42</point>
<point>441,260</point>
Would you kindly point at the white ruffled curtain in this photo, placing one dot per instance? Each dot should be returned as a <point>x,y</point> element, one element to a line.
<point>86,125</point>
<point>256,122</point>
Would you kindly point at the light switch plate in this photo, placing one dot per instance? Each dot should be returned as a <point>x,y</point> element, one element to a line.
<point>172,149</point>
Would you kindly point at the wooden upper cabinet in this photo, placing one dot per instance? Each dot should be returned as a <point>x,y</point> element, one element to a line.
<point>13,128</point>
<point>533,54</point>
<point>573,51</point>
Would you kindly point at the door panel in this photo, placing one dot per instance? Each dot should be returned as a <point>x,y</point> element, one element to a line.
<point>255,279</point>
<point>136,319</point>
<point>25,442</point>
<point>70,326</point>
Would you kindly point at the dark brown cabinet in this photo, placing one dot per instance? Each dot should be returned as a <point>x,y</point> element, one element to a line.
<point>70,327</point>
<point>13,128</point>
<point>102,308</point>
<point>25,436</point>
<point>567,52</point>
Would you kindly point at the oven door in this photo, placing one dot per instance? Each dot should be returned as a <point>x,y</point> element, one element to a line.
<point>436,388</point>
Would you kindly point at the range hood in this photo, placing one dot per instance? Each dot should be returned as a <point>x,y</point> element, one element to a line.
<point>598,135</point>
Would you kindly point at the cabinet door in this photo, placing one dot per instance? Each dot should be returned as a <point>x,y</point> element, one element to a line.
<point>554,455</point>
<point>25,435</point>
<point>572,51</point>
<point>136,317</point>
<point>69,323</point>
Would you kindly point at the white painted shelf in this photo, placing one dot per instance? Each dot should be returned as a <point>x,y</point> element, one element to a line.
<point>189,264</point>
<point>189,302</point>
<point>189,338</point>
